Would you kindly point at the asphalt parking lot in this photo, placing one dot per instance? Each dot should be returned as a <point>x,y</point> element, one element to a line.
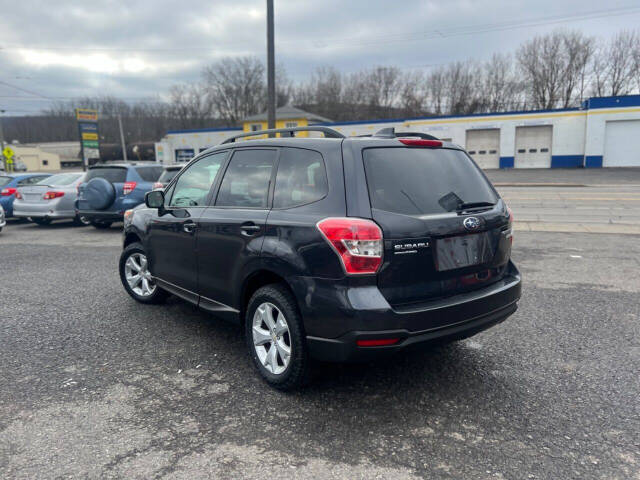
<point>94,385</point>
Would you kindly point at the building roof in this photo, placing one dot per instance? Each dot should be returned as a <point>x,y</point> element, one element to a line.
<point>287,112</point>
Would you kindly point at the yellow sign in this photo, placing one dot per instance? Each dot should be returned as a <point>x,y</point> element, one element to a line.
<point>89,136</point>
<point>86,115</point>
<point>8,152</point>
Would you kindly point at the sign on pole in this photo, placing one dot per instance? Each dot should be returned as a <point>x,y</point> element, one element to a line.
<point>8,156</point>
<point>89,135</point>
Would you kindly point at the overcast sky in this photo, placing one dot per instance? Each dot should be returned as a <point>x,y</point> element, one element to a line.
<point>138,48</point>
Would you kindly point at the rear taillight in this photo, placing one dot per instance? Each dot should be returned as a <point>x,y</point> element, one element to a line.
<point>7,192</point>
<point>358,243</point>
<point>420,142</point>
<point>157,186</point>
<point>510,231</point>
<point>128,187</point>
<point>52,195</point>
<point>18,196</point>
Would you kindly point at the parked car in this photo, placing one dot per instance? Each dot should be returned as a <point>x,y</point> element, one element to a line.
<point>109,190</point>
<point>3,222</point>
<point>9,184</point>
<point>168,173</point>
<point>50,199</point>
<point>336,249</point>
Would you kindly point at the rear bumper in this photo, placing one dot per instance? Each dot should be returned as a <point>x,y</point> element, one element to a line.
<point>41,210</point>
<point>365,315</point>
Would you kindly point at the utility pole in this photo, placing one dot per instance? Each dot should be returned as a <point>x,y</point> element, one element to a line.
<point>4,162</point>
<point>271,67</point>
<point>124,145</point>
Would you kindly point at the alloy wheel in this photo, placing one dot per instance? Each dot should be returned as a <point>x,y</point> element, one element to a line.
<point>138,276</point>
<point>271,338</point>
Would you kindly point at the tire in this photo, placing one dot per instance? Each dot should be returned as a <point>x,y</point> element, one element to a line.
<point>41,221</point>
<point>157,296</point>
<point>80,221</point>
<point>101,225</point>
<point>296,373</point>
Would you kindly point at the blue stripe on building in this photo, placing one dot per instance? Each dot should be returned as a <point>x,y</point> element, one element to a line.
<point>593,161</point>
<point>566,161</point>
<point>506,162</point>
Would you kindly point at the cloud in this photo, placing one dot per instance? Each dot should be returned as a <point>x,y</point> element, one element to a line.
<point>138,49</point>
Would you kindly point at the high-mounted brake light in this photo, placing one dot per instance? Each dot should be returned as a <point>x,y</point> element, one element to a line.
<point>52,195</point>
<point>7,192</point>
<point>128,187</point>
<point>358,243</point>
<point>157,186</point>
<point>420,142</point>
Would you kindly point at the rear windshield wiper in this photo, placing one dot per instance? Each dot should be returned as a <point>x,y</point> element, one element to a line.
<point>470,205</point>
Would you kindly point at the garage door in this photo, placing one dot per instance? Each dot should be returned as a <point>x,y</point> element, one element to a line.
<point>533,147</point>
<point>622,144</point>
<point>484,147</point>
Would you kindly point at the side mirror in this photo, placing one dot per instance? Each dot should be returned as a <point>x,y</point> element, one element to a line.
<point>154,199</point>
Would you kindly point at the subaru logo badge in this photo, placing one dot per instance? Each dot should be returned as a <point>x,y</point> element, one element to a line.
<point>471,223</point>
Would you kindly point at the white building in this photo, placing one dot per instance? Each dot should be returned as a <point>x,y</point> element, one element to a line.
<point>603,132</point>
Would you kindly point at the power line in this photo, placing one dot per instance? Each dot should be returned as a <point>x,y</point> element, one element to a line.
<point>30,92</point>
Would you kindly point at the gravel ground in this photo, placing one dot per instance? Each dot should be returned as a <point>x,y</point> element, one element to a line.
<point>94,385</point>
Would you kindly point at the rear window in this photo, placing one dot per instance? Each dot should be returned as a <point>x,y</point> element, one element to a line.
<point>149,174</point>
<point>60,180</point>
<point>111,174</point>
<point>419,181</point>
<point>5,181</point>
<point>168,175</point>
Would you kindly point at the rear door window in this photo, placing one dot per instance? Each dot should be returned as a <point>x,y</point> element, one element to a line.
<point>301,178</point>
<point>421,181</point>
<point>111,174</point>
<point>149,174</point>
<point>246,181</point>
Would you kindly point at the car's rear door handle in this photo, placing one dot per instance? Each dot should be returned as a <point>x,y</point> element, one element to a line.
<point>189,227</point>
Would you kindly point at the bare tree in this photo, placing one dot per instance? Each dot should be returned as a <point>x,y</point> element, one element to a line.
<point>236,87</point>
<point>501,89</point>
<point>577,52</point>
<point>554,67</point>
<point>614,67</point>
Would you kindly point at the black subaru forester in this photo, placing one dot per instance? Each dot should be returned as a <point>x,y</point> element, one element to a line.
<point>329,248</point>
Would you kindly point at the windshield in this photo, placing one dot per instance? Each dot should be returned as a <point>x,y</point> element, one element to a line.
<point>168,175</point>
<point>60,180</point>
<point>111,174</point>
<point>5,181</point>
<point>419,181</point>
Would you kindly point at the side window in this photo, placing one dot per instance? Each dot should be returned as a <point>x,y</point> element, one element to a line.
<point>193,186</point>
<point>246,182</point>
<point>301,178</point>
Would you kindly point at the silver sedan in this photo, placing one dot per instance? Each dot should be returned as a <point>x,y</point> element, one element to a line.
<point>50,199</point>
<point>3,222</point>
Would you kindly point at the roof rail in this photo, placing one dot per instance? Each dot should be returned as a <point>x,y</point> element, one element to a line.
<point>390,132</point>
<point>328,132</point>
